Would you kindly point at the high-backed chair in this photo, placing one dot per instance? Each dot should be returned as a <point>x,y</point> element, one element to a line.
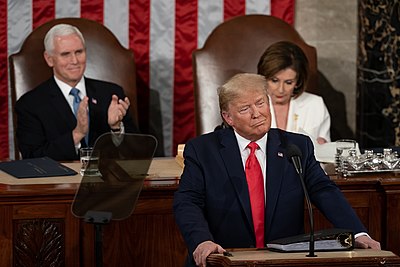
<point>107,60</point>
<point>233,47</point>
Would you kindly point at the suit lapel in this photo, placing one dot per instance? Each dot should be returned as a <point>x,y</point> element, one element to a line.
<point>231,156</point>
<point>60,104</point>
<point>91,93</point>
<point>94,107</point>
<point>296,118</point>
<point>276,164</point>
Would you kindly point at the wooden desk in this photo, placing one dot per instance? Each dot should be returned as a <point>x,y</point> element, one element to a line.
<point>36,220</point>
<point>376,199</point>
<point>34,212</point>
<point>367,199</point>
<point>391,212</point>
<point>356,257</point>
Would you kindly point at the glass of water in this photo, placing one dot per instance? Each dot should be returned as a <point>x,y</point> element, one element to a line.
<point>343,147</point>
<point>89,161</point>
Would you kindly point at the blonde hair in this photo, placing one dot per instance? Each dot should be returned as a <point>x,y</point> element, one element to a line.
<point>235,86</point>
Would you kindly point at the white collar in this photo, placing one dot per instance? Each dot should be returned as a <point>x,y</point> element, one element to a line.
<point>66,88</point>
<point>243,142</point>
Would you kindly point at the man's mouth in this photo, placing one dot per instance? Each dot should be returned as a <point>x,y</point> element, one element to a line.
<point>259,123</point>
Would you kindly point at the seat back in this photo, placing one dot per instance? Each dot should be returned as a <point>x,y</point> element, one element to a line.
<point>107,60</point>
<point>235,46</point>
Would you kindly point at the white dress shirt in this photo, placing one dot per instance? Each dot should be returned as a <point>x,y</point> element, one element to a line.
<point>261,153</point>
<point>66,88</point>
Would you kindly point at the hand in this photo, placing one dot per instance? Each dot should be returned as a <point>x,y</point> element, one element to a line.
<point>321,140</point>
<point>117,110</point>
<point>82,121</point>
<point>365,241</point>
<point>203,250</point>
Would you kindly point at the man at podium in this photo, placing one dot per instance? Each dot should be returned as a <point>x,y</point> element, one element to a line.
<point>239,188</point>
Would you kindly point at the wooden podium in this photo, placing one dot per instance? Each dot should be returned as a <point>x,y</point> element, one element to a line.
<point>357,257</point>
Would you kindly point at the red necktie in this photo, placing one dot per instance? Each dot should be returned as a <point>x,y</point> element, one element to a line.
<point>255,182</point>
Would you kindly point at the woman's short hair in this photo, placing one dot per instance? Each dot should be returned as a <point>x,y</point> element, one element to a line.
<point>283,55</point>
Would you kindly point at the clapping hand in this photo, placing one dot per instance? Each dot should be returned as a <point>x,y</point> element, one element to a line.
<point>117,110</point>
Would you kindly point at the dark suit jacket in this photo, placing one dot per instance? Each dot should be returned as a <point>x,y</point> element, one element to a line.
<point>212,202</point>
<point>45,120</point>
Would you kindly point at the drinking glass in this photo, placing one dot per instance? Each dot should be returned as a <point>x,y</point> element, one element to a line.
<point>89,161</point>
<point>343,146</point>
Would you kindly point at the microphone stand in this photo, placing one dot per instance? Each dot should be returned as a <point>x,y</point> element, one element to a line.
<point>98,218</point>
<point>295,156</point>
<point>310,215</point>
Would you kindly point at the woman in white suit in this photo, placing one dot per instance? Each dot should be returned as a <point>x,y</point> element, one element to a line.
<point>285,66</point>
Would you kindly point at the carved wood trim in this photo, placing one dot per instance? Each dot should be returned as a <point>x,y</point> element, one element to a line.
<point>39,242</point>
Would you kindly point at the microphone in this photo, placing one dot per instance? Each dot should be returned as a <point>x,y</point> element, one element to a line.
<point>294,154</point>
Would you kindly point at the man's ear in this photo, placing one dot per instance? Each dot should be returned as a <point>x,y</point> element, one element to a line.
<point>49,59</point>
<point>227,117</point>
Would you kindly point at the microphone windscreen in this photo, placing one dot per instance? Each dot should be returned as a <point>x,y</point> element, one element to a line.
<point>293,151</point>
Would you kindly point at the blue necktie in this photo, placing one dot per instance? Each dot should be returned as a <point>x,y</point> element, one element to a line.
<point>77,99</point>
<point>75,92</point>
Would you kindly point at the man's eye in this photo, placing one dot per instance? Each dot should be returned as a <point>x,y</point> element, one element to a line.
<point>243,110</point>
<point>260,104</point>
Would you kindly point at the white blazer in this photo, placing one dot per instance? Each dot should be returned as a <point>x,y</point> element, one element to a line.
<point>307,115</point>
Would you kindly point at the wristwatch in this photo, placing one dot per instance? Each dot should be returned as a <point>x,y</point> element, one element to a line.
<point>121,128</point>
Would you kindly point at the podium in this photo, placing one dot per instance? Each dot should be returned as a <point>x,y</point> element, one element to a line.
<point>259,257</point>
<point>113,191</point>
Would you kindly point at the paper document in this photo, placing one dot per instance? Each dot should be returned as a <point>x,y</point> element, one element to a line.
<point>35,168</point>
<point>325,153</point>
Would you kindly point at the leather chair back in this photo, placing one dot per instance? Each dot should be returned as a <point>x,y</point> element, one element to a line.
<point>107,60</point>
<point>235,46</point>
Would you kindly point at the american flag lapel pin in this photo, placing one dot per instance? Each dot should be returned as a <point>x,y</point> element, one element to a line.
<point>94,101</point>
<point>280,154</point>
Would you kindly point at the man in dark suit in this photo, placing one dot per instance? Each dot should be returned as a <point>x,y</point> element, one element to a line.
<point>213,205</point>
<point>51,121</point>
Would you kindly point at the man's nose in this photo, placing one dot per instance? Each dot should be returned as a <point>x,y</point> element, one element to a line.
<point>254,111</point>
<point>74,59</point>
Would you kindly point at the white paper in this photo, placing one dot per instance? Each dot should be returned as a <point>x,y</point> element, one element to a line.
<point>326,152</point>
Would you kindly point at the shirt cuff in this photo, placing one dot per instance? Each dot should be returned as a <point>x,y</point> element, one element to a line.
<point>361,234</point>
<point>77,147</point>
